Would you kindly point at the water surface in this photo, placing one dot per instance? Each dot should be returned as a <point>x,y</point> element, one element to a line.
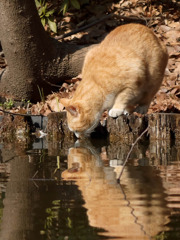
<point>53,191</point>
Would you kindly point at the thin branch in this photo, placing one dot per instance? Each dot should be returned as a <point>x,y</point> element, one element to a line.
<point>129,153</point>
<point>84,27</point>
<point>99,21</point>
<point>73,80</point>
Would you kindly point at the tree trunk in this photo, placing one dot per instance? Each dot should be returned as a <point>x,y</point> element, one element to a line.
<point>33,58</point>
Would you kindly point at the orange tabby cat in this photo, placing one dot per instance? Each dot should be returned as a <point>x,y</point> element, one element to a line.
<point>124,71</point>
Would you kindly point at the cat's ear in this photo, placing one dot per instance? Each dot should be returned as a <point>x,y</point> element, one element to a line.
<point>72,110</point>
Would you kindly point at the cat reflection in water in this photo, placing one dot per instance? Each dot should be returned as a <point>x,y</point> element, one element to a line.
<point>121,74</point>
<point>136,209</point>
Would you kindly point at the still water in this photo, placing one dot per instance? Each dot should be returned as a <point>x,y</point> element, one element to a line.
<point>61,191</point>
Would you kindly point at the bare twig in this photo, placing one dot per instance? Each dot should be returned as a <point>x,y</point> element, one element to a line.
<point>129,153</point>
<point>84,27</point>
<point>73,80</point>
<point>99,21</point>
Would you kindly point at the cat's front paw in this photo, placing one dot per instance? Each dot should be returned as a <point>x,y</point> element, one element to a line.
<point>115,112</point>
<point>125,112</point>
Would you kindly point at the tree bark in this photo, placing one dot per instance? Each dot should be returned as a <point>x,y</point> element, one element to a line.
<point>33,58</point>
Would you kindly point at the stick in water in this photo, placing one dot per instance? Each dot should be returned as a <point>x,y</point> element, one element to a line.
<point>129,153</point>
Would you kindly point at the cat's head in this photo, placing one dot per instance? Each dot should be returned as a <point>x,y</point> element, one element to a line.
<point>80,118</point>
<point>81,163</point>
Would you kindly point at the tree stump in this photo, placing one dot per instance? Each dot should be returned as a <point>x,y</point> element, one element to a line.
<point>126,128</point>
<point>165,126</point>
<point>57,128</point>
<point>162,126</point>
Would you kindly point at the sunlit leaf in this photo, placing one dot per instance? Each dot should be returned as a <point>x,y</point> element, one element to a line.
<point>43,21</point>
<point>65,6</point>
<point>38,5</point>
<point>40,11</point>
<point>52,25</point>
<point>49,13</point>
<point>43,2</point>
<point>44,9</point>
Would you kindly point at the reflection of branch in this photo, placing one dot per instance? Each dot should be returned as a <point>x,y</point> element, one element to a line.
<point>129,153</point>
<point>132,212</point>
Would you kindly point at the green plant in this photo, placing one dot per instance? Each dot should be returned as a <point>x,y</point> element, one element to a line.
<point>41,93</point>
<point>46,15</point>
<point>73,3</point>
<point>26,102</point>
<point>8,104</point>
